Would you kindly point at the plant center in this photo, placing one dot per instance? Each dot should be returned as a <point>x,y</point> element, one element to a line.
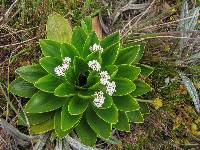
<point>82,79</point>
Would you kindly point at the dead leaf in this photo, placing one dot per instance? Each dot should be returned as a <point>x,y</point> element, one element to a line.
<point>96,26</point>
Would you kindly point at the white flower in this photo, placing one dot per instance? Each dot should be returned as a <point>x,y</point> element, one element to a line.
<point>98,99</point>
<point>110,88</point>
<point>67,60</point>
<point>59,71</point>
<point>96,47</point>
<point>94,65</point>
<point>104,77</point>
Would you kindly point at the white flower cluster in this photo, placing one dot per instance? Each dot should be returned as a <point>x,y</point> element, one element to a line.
<point>104,78</point>
<point>96,47</point>
<point>60,70</point>
<point>110,88</point>
<point>98,99</point>
<point>94,65</point>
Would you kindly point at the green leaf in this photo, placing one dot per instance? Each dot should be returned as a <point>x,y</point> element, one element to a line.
<point>128,71</point>
<point>65,90</point>
<point>126,103</point>
<point>77,105</point>
<point>141,88</point>
<point>110,40</point>
<point>109,115</point>
<point>145,70</point>
<point>144,108</point>
<point>58,29</point>
<point>112,70</point>
<point>135,116</point>
<point>68,50</point>
<point>78,39</point>
<point>85,133</point>
<point>87,24</point>
<point>33,119</point>
<point>31,73</point>
<point>140,52</point>
<point>48,83</point>
<point>57,124</point>
<point>85,93</point>
<point>113,140</point>
<point>123,86</point>
<point>70,76</point>
<point>102,128</point>
<point>68,121</point>
<point>42,127</point>
<point>80,66</point>
<point>22,88</point>
<point>90,41</point>
<point>139,55</point>
<point>43,102</point>
<point>107,102</point>
<point>49,64</point>
<point>92,79</point>
<point>94,56</point>
<point>123,123</point>
<point>50,48</point>
<point>128,55</point>
<point>110,54</point>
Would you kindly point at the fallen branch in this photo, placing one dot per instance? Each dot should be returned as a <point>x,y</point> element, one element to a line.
<point>13,131</point>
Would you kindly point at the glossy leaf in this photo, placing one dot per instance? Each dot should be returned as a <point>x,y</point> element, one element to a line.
<point>57,124</point>
<point>94,56</point>
<point>85,133</point>
<point>139,55</point>
<point>80,66</point>
<point>107,102</point>
<point>85,94</point>
<point>22,88</point>
<point>92,79</point>
<point>50,63</point>
<point>87,24</point>
<point>144,108</point>
<point>50,48</point>
<point>44,102</point>
<point>65,90</point>
<point>31,73</point>
<point>128,55</point>
<point>135,116</point>
<point>126,103</point>
<point>42,127</point>
<point>141,88</point>
<point>112,70</point>
<point>145,70</point>
<point>109,115</point>
<point>70,76</point>
<point>90,41</point>
<point>77,105</point>
<point>33,119</point>
<point>78,39</point>
<point>68,121</point>
<point>68,50</point>
<point>110,40</point>
<point>48,83</point>
<point>123,86</point>
<point>99,126</point>
<point>110,54</point>
<point>128,71</point>
<point>123,123</point>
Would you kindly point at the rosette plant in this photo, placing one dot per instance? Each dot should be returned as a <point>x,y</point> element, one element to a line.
<point>86,85</point>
